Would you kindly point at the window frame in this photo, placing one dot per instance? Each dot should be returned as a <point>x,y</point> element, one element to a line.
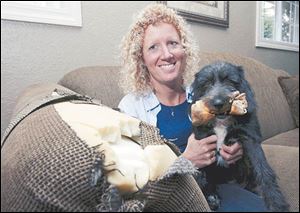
<point>68,13</point>
<point>261,42</point>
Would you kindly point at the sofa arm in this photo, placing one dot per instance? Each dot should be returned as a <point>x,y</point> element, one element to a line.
<point>285,162</point>
<point>46,166</point>
<point>100,82</point>
<point>290,87</point>
<point>36,92</point>
<point>289,138</point>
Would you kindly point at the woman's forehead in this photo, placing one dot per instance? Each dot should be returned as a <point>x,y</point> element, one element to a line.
<point>160,30</point>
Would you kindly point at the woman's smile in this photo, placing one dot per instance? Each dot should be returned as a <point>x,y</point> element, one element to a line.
<point>168,67</point>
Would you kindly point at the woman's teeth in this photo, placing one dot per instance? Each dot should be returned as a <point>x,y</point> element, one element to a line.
<point>167,66</point>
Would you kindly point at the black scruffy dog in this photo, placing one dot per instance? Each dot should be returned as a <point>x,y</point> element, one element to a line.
<point>214,84</point>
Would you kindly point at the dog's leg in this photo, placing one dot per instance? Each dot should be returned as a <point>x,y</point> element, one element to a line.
<point>265,178</point>
<point>211,195</point>
<point>210,188</point>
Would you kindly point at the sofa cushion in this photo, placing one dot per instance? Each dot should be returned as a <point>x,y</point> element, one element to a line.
<point>290,87</point>
<point>289,138</point>
<point>99,82</point>
<point>285,162</point>
<point>271,102</point>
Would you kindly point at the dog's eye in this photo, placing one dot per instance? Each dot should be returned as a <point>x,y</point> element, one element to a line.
<point>234,79</point>
<point>206,86</point>
<point>234,82</point>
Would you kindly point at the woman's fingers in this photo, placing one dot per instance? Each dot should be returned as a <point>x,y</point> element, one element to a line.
<point>209,155</point>
<point>208,140</point>
<point>211,160</point>
<point>229,157</point>
<point>207,151</point>
<point>231,149</point>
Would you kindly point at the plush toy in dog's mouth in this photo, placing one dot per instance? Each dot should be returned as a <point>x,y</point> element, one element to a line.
<point>201,113</point>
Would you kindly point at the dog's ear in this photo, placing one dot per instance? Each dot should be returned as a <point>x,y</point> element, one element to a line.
<point>246,88</point>
<point>195,87</point>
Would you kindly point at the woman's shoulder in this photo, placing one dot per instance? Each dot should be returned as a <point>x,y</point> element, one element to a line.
<point>129,102</point>
<point>130,98</point>
<point>137,102</point>
<point>133,105</point>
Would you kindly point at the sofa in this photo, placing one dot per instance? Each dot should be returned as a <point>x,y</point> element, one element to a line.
<point>277,109</point>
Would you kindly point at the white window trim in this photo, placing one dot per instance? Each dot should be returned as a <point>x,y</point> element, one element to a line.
<point>68,14</point>
<point>260,42</point>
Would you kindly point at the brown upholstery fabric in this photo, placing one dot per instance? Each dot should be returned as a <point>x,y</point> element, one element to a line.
<point>290,87</point>
<point>285,162</point>
<point>41,170</point>
<point>35,97</point>
<point>272,104</point>
<point>97,82</point>
<point>46,167</point>
<point>289,138</point>
<point>176,187</point>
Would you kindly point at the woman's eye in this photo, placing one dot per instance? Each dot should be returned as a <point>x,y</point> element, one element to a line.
<point>152,47</point>
<point>174,43</point>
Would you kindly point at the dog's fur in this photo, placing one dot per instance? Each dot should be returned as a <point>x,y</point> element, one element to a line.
<point>214,83</point>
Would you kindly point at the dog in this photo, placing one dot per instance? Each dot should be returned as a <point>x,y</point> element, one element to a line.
<point>215,85</point>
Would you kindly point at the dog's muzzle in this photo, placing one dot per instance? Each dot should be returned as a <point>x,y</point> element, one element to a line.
<point>202,111</point>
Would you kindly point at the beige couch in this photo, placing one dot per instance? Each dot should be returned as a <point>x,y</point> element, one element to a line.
<point>279,130</point>
<point>27,164</point>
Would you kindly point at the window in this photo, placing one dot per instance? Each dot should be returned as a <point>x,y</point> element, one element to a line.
<point>51,12</point>
<point>277,25</point>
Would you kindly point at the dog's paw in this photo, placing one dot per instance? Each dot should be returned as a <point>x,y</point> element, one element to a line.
<point>280,206</point>
<point>213,201</point>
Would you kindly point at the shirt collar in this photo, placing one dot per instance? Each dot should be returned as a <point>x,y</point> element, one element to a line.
<point>151,101</point>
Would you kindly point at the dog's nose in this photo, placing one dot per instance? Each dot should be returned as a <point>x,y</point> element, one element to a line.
<point>218,103</point>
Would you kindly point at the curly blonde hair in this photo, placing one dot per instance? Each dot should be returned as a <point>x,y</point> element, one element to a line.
<point>134,75</point>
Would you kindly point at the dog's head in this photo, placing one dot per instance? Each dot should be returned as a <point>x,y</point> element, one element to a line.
<point>215,85</point>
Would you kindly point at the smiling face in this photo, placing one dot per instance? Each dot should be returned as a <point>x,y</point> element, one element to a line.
<point>163,54</point>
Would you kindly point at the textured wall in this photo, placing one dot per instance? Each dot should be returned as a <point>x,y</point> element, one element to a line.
<point>35,53</point>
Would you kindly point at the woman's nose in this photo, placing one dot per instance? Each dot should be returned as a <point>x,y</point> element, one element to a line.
<point>166,53</point>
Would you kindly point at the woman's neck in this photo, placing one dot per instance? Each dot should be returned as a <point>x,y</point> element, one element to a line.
<point>170,96</point>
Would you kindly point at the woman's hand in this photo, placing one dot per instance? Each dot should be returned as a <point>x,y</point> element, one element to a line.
<point>201,152</point>
<point>231,154</point>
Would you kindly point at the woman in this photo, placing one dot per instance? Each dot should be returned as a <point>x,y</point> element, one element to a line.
<point>158,61</point>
